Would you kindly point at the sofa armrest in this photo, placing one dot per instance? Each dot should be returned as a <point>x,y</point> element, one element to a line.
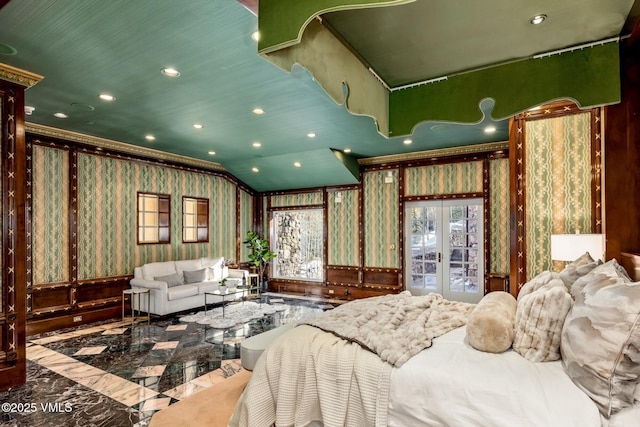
<point>149,284</point>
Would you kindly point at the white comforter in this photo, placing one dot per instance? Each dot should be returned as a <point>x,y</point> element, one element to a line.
<point>453,385</point>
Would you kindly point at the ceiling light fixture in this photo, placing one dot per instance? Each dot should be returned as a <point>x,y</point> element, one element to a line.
<point>346,150</point>
<point>212,153</point>
<point>255,170</point>
<point>258,111</point>
<point>28,110</point>
<point>297,164</point>
<point>150,137</point>
<point>407,141</point>
<point>170,72</point>
<point>490,129</point>
<point>257,144</point>
<point>311,135</point>
<point>255,35</point>
<point>198,125</point>
<point>107,97</point>
<point>60,115</point>
<point>538,19</point>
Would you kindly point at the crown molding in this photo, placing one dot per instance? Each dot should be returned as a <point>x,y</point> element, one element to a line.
<point>432,154</point>
<point>19,76</point>
<point>109,144</point>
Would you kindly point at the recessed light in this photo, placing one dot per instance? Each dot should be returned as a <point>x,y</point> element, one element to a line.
<point>198,125</point>
<point>150,137</point>
<point>490,129</point>
<point>297,164</point>
<point>255,170</point>
<point>407,141</point>
<point>538,19</point>
<point>311,135</point>
<point>346,150</point>
<point>170,72</point>
<point>259,111</point>
<point>212,153</point>
<point>60,115</point>
<point>257,144</point>
<point>255,35</point>
<point>107,97</point>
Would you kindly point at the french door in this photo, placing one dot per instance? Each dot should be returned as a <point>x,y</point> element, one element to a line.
<point>444,250</point>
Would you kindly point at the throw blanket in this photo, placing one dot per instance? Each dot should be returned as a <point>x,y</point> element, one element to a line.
<point>395,327</point>
<point>309,377</point>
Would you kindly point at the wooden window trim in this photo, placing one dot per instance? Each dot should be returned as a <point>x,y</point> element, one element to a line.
<point>202,220</point>
<point>164,218</point>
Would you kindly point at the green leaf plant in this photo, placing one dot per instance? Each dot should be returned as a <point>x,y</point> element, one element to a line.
<point>260,255</point>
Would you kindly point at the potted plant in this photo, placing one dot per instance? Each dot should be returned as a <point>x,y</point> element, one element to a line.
<point>260,255</point>
<point>223,286</point>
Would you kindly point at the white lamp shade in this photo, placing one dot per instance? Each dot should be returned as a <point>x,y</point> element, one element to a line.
<point>569,247</point>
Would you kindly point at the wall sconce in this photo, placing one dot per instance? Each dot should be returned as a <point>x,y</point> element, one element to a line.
<point>338,197</point>
<point>389,178</point>
<point>569,247</point>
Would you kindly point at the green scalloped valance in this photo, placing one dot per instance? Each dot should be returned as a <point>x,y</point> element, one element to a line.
<point>281,22</point>
<point>289,36</point>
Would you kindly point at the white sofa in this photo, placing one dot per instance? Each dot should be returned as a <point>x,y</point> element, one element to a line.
<point>180,285</point>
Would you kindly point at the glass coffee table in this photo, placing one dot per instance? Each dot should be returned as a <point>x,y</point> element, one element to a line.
<point>229,293</point>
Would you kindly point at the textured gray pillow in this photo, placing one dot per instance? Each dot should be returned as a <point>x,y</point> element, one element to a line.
<point>539,319</point>
<point>610,268</point>
<point>601,340</point>
<point>578,268</point>
<point>196,276</point>
<point>171,280</point>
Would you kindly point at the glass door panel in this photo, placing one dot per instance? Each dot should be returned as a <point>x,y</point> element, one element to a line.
<point>423,249</point>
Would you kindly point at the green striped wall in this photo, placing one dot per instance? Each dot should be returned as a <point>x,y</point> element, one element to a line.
<point>299,199</point>
<point>499,239</point>
<point>558,182</point>
<point>107,192</point>
<point>343,228</point>
<point>50,219</point>
<point>451,178</point>
<point>381,222</point>
<point>246,222</point>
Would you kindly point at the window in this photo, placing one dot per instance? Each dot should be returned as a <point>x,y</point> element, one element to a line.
<point>154,225</point>
<point>298,241</point>
<point>195,220</point>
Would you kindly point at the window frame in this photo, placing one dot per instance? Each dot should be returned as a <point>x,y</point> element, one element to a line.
<point>201,219</point>
<point>163,218</point>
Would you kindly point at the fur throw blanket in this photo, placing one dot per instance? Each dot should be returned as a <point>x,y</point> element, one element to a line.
<point>395,327</point>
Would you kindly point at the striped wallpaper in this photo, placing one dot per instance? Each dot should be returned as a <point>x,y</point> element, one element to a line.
<point>381,220</point>
<point>499,238</point>
<point>50,217</point>
<point>450,178</point>
<point>558,183</point>
<point>297,199</point>
<point>343,227</point>
<point>107,192</point>
<point>246,222</point>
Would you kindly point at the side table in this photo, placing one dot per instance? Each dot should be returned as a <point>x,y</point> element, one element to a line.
<point>134,298</point>
<point>253,285</point>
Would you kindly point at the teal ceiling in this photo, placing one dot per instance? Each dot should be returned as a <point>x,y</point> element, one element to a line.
<point>84,48</point>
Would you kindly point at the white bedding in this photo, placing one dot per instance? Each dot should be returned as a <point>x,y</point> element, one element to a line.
<point>433,389</point>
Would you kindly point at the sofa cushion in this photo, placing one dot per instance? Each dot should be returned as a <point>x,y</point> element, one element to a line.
<point>207,287</point>
<point>601,339</point>
<point>173,279</point>
<point>184,291</point>
<point>154,269</point>
<point>196,276</point>
<point>540,316</point>
<point>188,265</point>
<point>215,267</point>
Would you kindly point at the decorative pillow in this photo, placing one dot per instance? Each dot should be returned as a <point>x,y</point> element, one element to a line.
<point>537,282</point>
<point>539,319</point>
<point>195,276</point>
<point>601,341</point>
<point>171,280</point>
<point>490,324</point>
<point>610,268</point>
<point>577,269</point>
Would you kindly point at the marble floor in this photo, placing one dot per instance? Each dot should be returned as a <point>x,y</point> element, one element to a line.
<point>112,374</point>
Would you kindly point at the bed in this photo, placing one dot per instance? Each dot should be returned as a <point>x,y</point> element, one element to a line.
<point>321,375</point>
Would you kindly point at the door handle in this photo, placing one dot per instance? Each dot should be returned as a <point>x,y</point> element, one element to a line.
<point>439,256</point>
